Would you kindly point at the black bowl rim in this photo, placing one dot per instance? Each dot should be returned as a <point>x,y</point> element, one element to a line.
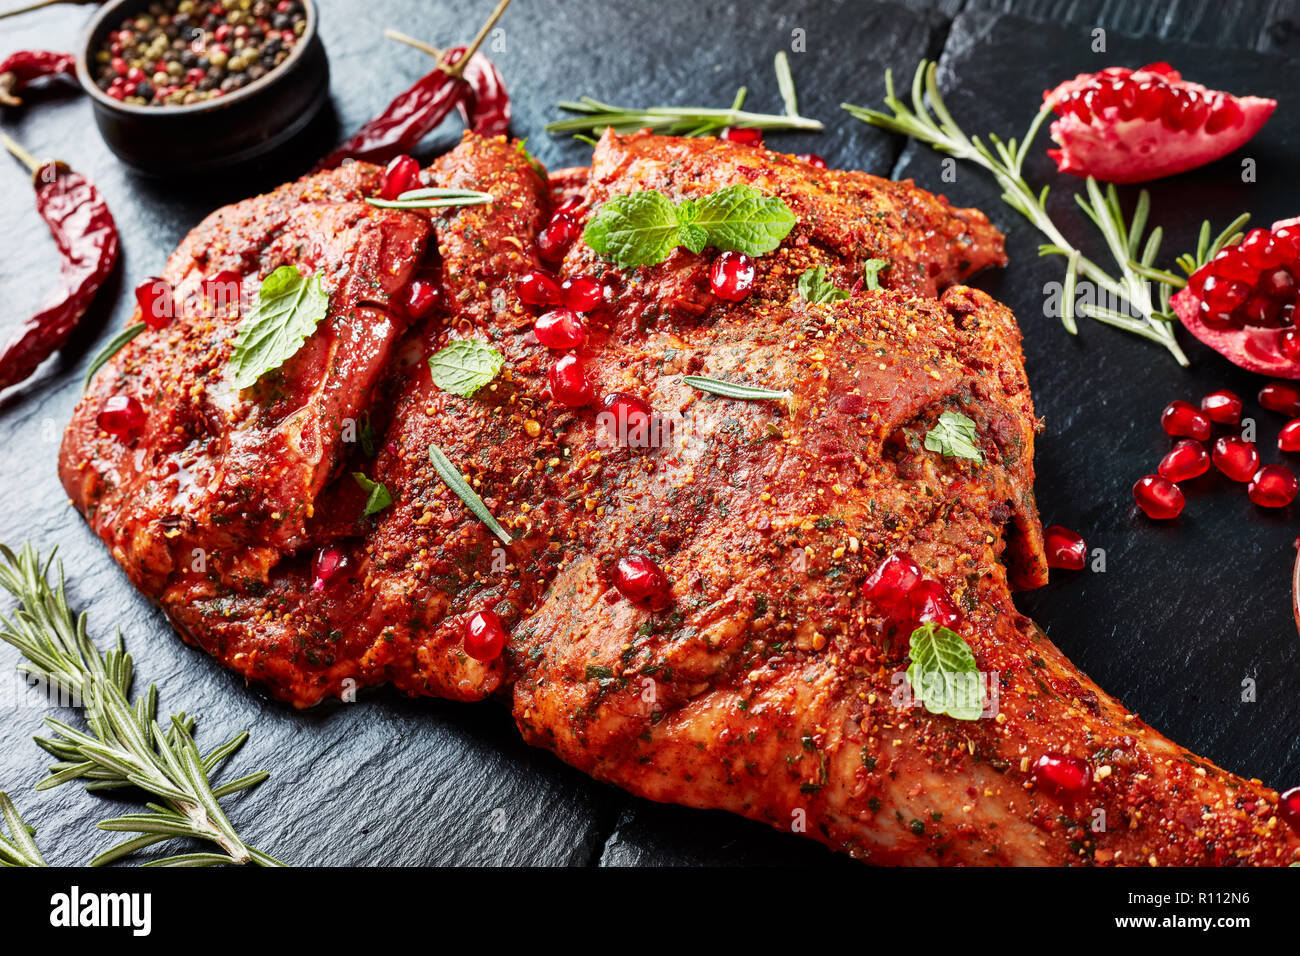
<point>221,102</point>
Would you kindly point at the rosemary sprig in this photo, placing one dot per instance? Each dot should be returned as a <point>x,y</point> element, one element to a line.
<point>433,197</point>
<point>733,389</point>
<point>18,848</point>
<point>684,120</point>
<point>125,745</point>
<point>111,348</point>
<point>934,126</point>
<point>457,483</point>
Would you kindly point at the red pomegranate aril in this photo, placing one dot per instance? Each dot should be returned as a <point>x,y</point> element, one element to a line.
<point>326,564</point>
<point>1288,808</point>
<point>402,175</point>
<point>1262,311</point>
<point>930,603</point>
<point>745,135</point>
<point>560,329</point>
<point>1274,486</point>
<point>1185,420</point>
<point>1158,497</point>
<point>1289,438</point>
<point>559,234</point>
<point>157,302</point>
<point>1288,344</point>
<point>1281,397</point>
<point>569,205</point>
<point>1278,283</point>
<point>538,288</point>
<point>568,383</point>
<point>420,299</point>
<point>732,276</point>
<point>627,418</point>
<point>1062,776</point>
<point>642,581</point>
<point>891,582</point>
<point>1065,549</point>
<point>1186,460</point>
<point>1223,407</point>
<point>812,159</point>
<point>581,293</point>
<point>1259,249</point>
<point>1223,295</point>
<point>484,638</point>
<point>1236,457</point>
<point>122,416</point>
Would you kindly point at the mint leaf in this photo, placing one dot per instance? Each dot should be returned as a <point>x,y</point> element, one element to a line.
<point>871,270</point>
<point>634,229</point>
<point>289,307</point>
<point>378,499</point>
<point>741,219</point>
<point>691,236</point>
<point>816,288</point>
<point>464,367</point>
<point>954,435</point>
<point>943,673</point>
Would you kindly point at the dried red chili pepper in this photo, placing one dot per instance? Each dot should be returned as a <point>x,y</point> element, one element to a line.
<point>487,108</point>
<point>84,231</point>
<point>19,70</point>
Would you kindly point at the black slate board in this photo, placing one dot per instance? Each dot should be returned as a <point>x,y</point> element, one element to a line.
<point>1182,615</point>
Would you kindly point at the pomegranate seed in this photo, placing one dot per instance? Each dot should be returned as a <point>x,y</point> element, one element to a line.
<point>420,298</point>
<point>1288,807</point>
<point>1223,407</point>
<point>627,418</point>
<point>1289,438</point>
<point>559,329</point>
<point>891,582</point>
<point>484,638</point>
<point>1183,419</point>
<point>326,564</point>
<point>1062,776</point>
<point>1223,295</point>
<point>1158,497</point>
<point>642,581</point>
<point>745,135</point>
<point>732,276</point>
<point>1259,249</point>
<point>568,383</point>
<point>538,288</point>
<point>1274,486</point>
<point>223,288</point>
<point>930,603</point>
<point>1289,344</point>
<point>122,416</point>
<point>402,175</point>
<point>1281,397</point>
<point>569,205</point>
<point>559,234</point>
<point>581,293</point>
<point>157,302</point>
<point>1186,460</point>
<point>1065,549</point>
<point>812,159</point>
<point>1236,457</point>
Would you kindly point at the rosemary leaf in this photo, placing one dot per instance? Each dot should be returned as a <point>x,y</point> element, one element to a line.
<point>18,848</point>
<point>457,483</point>
<point>733,390</point>
<point>111,348</point>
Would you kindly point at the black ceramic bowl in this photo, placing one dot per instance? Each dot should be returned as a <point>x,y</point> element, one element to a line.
<point>220,133</point>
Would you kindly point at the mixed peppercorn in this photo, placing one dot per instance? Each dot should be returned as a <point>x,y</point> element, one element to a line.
<point>185,52</point>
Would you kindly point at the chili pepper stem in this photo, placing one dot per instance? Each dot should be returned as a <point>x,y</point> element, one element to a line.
<point>459,67</point>
<point>26,158</point>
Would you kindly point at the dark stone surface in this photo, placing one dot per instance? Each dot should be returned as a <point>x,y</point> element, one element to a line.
<point>1181,616</point>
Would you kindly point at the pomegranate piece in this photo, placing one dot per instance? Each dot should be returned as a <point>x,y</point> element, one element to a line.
<point>1288,808</point>
<point>402,174</point>
<point>1158,497</point>
<point>1280,397</point>
<point>1242,302</point>
<point>1289,438</point>
<point>1274,486</point>
<point>484,638</point>
<point>1185,420</point>
<point>642,581</point>
<point>1222,407</point>
<point>732,276</point>
<point>1129,126</point>
<point>627,418</point>
<point>538,288</point>
<point>420,299</point>
<point>1062,776</point>
<point>1186,460</point>
<point>123,417</point>
<point>568,383</point>
<point>930,603</point>
<point>581,293</point>
<point>559,329</point>
<point>157,302</point>
<point>326,564</point>
<point>1065,549</point>
<point>891,582</point>
<point>745,135</point>
<point>1236,457</point>
<point>560,233</point>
